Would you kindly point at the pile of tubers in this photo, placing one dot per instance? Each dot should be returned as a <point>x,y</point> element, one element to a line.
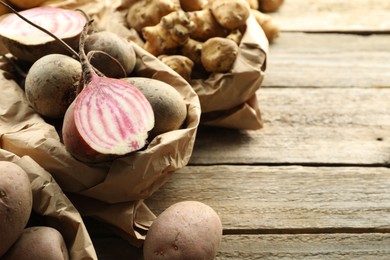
<point>20,238</point>
<point>196,38</point>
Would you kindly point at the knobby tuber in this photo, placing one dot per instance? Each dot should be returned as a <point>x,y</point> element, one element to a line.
<point>269,5</point>
<point>149,12</point>
<point>171,32</point>
<point>230,14</point>
<point>193,50</point>
<point>179,63</point>
<point>205,25</point>
<point>219,54</point>
<point>184,32</point>
<point>193,5</point>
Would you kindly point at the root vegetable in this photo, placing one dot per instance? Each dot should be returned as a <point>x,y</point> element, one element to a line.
<point>235,36</point>
<point>40,242</point>
<point>185,230</point>
<point>179,63</point>
<point>26,4</point>
<point>114,46</point>
<point>205,25</point>
<point>193,5</point>
<point>269,5</point>
<point>254,4</point>
<point>230,14</point>
<point>270,28</point>
<point>4,9</point>
<point>109,118</point>
<point>28,43</point>
<point>171,32</point>
<point>51,84</point>
<point>149,12</point>
<point>106,64</point>
<point>15,203</point>
<point>168,105</point>
<point>193,50</point>
<point>219,54</point>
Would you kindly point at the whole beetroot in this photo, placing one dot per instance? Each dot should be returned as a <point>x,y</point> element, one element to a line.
<point>113,45</point>
<point>51,84</point>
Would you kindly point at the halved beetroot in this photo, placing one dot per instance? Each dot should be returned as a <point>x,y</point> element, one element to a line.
<point>28,43</point>
<point>109,117</point>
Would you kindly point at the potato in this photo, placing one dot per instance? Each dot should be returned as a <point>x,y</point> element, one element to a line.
<point>185,230</point>
<point>15,203</point>
<point>38,243</point>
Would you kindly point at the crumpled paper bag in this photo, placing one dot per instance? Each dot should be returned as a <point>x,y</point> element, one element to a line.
<point>50,203</point>
<point>112,192</point>
<point>227,99</point>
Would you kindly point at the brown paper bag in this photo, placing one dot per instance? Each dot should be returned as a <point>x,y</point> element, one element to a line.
<point>229,99</point>
<point>114,190</point>
<point>56,209</point>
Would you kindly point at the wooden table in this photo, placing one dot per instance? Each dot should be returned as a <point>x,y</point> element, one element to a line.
<point>314,183</point>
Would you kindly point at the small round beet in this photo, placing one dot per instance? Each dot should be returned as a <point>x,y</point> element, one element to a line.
<point>113,45</point>
<point>51,84</point>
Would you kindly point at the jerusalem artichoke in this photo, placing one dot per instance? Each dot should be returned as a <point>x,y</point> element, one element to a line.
<point>171,32</point>
<point>219,54</point>
<point>230,14</point>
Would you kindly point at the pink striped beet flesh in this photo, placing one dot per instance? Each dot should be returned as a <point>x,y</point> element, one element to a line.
<point>108,118</point>
<point>63,23</point>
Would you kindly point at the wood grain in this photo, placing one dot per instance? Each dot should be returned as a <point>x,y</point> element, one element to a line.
<point>248,247</point>
<point>359,16</point>
<point>328,60</point>
<point>308,246</point>
<point>312,126</point>
<point>293,199</point>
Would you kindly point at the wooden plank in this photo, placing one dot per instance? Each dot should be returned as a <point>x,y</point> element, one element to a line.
<point>306,126</point>
<point>328,60</point>
<point>294,199</point>
<point>309,246</point>
<point>334,15</point>
<point>246,247</point>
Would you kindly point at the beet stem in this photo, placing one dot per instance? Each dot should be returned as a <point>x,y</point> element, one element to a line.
<point>83,13</point>
<point>64,44</point>
<point>87,69</point>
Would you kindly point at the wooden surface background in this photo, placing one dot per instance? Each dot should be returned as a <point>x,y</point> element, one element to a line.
<point>314,183</point>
